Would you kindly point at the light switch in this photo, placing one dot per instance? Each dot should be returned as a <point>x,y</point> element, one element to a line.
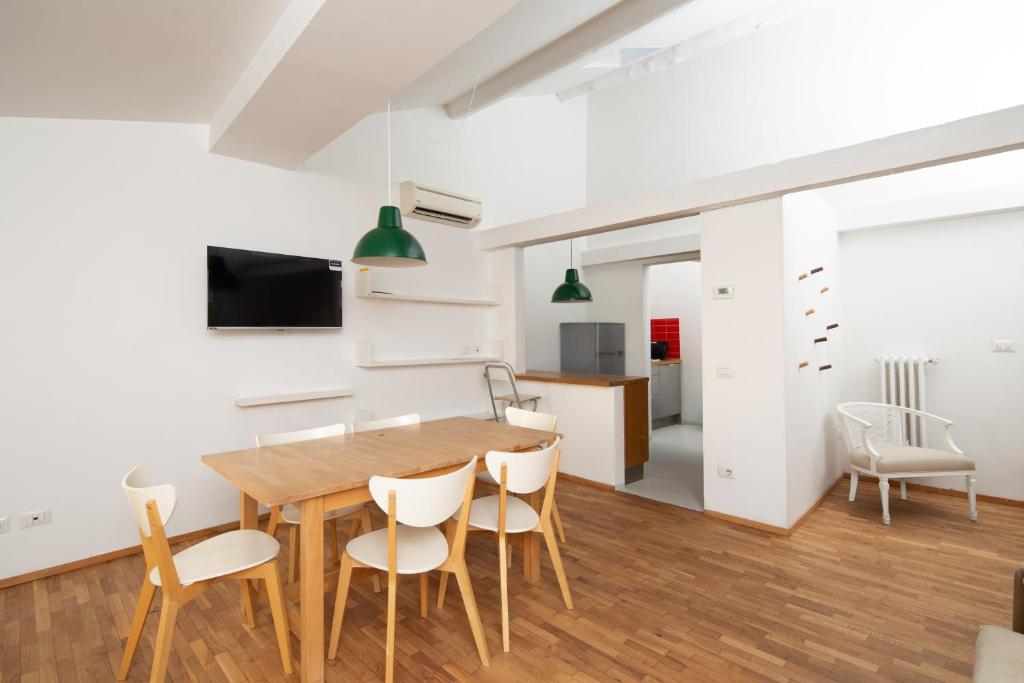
<point>1004,346</point>
<point>724,371</point>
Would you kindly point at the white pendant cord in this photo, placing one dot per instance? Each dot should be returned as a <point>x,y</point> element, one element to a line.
<point>570,253</point>
<point>462,123</point>
<point>389,152</point>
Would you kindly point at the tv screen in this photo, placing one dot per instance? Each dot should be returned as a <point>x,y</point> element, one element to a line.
<point>255,289</point>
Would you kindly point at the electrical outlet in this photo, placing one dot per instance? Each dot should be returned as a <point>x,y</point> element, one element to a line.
<point>1004,346</point>
<point>5,525</point>
<point>726,471</point>
<point>37,518</point>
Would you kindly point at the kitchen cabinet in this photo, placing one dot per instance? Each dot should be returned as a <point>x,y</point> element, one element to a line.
<point>666,389</point>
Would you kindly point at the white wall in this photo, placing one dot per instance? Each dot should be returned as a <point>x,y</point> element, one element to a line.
<point>945,289</point>
<point>107,361</point>
<point>812,453</point>
<point>837,75</point>
<point>544,269</point>
<point>618,290</point>
<point>674,291</point>
<point>745,415</point>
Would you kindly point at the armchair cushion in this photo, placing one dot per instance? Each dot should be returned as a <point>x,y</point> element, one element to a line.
<point>899,458</point>
<point>998,656</point>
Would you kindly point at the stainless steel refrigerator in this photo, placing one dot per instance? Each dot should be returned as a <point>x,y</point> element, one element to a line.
<point>593,347</point>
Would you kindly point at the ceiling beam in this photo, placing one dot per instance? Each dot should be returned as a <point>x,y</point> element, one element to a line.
<point>329,63</point>
<point>618,20</point>
<point>977,136</point>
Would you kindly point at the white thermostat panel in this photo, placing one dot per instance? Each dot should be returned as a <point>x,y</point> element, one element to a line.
<point>727,292</point>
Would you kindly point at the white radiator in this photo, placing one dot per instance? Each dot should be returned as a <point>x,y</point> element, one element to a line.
<point>902,381</point>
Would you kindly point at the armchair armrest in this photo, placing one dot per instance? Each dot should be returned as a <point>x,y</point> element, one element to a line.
<point>947,427</point>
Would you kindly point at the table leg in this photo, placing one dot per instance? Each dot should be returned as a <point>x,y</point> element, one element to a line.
<point>311,591</point>
<point>248,517</point>
<point>531,547</point>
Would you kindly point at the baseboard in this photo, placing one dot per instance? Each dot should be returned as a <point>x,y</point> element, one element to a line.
<point>1011,502</point>
<point>114,555</point>
<point>586,482</point>
<point>743,521</point>
<point>777,530</point>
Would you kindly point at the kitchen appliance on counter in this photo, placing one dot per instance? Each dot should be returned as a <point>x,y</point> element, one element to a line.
<point>659,350</point>
<point>593,347</point>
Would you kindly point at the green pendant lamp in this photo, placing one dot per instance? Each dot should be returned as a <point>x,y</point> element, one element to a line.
<point>389,245</point>
<point>572,291</point>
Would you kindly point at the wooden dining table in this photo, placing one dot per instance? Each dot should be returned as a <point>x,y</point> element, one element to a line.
<point>327,474</point>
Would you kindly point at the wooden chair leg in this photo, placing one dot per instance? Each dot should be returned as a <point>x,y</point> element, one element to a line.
<point>556,561</point>
<point>248,604</point>
<point>558,520</point>
<point>138,622</point>
<point>854,479</point>
<point>344,580</point>
<point>293,552</point>
<point>389,662</point>
<point>274,521</point>
<point>883,487</point>
<point>443,587</point>
<point>365,523</point>
<point>503,572</point>
<point>424,607</point>
<point>462,576</point>
<point>332,539</point>
<point>164,634</point>
<point>276,597</point>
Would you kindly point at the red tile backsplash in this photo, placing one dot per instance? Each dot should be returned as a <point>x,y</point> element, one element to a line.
<point>666,330</point>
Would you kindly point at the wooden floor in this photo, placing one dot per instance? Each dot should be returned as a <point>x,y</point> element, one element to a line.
<point>661,593</point>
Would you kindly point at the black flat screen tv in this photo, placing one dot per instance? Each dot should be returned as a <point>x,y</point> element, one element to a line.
<point>255,289</point>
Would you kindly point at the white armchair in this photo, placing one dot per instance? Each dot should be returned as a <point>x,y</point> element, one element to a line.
<point>874,434</point>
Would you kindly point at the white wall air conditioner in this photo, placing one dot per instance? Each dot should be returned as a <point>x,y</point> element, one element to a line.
<point>439,206</point>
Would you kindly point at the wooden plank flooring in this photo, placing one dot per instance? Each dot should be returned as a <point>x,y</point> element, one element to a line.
<point>661,593</point>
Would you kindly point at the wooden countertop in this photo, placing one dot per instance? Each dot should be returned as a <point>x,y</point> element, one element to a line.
<point>578,378</point>
<point>667,361</point>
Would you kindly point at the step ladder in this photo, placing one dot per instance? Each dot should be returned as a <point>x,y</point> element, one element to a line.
<point>512,399</point>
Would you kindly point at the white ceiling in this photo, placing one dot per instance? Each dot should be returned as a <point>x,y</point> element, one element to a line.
<point>524,29</point>
<point>152,60</point>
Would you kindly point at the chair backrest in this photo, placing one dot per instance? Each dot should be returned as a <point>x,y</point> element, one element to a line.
<point>300,435</point>
<point>518,417</point>
<point>427,501</point>
<point>386,423</point>
<point>886,422</point>
<point>524,472</point>
<point>139,489</point>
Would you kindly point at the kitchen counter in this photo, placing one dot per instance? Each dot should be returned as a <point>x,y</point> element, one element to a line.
<point>604,419</point>
<point>667,361</point>
<point>589,379</point>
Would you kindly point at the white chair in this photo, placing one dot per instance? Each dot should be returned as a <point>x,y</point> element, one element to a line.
<point>386,423</point>
<point>530,419</point>
<point>412,544</point>
<point>521,473</point>
<point>359,515</point>
<point>874,434</point>
<point>245,554</point>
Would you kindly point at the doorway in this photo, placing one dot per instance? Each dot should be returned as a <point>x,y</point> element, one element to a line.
<point>672,317</point>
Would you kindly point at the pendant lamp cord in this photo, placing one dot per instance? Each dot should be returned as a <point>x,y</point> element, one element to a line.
<point>389,152</point>
<point>570,252</point>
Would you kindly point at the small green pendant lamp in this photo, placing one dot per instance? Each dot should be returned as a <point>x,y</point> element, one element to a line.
<point>572,291</point>
<point>389,245</point>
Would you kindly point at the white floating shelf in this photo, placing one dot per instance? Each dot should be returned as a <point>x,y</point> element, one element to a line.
<point>364,290</point>
<point>491,351</point>
<point>291,398</point>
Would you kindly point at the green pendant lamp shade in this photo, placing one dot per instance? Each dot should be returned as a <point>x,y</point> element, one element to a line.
<point>572,291</point>
<point>389,244</point>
